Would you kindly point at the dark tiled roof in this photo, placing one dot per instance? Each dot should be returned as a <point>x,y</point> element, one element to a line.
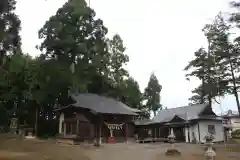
<point>186,113</point>
<point>231,113</point>
<point>102,104</point>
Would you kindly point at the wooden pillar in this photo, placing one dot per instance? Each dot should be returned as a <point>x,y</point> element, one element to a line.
<point>155,132</point>
<point>126,132</point>
<point>98,124</point>
<point>186,134</point>
<point>111,132</point>
<point>159,132</point>
<point>199,136</point>
<point>36,122</point>
<point>171,131</point>
<point>77,127</point>
<point>91,131</point>
<point>61,123</point>
<point>100,133</point>
<point>64,128</point>
<point>96,135</point>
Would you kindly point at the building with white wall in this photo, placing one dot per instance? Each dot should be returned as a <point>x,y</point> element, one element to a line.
<point>231,121</point>
<point>190,123</point>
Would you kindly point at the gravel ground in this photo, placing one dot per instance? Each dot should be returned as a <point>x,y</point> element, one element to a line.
<point>156,151</point>
<point>49,150</point>
<point>137,151</point>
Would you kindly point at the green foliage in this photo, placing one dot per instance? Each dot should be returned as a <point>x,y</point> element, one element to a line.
<point>9,29</point>
<point>217,67</point>
<point>76,39</point>
<point>209,138</point>
<point>76,56</point>
<point>236,134</point>
<point>152,94</point>
<point>131,94</point>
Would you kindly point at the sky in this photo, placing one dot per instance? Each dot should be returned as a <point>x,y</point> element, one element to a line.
<point>160,36</point>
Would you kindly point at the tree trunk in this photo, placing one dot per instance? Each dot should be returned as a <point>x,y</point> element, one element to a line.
<point>98,132</point>
<point>234,85</point>
<point>208,75</point>
<point>203,88</point>
<point>36,121</point>
<point>210,99</point>
<point>154,113</point>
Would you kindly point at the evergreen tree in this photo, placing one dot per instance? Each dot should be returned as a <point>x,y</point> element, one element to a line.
<point>152,94</point>
<point>10,41</point>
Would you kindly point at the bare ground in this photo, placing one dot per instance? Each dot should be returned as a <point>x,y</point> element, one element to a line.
<point>15,149</point>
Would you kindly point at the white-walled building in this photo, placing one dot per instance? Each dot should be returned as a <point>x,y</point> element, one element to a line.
<point>231,120</point>
<point>190,123</point>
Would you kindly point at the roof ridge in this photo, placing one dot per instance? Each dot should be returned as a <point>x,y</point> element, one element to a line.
<point>184,111</point>
<point>181,107</point>
<point>115,103</point>
<point>112,98</point>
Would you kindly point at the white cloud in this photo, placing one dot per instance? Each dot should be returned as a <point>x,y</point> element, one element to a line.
<point>160,36</point>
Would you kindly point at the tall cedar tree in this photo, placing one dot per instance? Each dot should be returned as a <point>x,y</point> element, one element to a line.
<point>235,63</point>
<point>10,41</point>
<point>10,44</point>
<point>76,39</point>
<point>227,55</point>
<point>203,67</point>
<point>152,94</point>
<point>199,69</point>
<point>216,67</point>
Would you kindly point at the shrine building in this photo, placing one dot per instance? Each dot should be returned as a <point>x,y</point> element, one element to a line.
<point>93,117</point>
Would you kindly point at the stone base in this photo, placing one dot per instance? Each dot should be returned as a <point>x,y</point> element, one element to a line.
<point>96,145</point>
<point>30,137</point>
<point>66,141</point>
<point>210,154</point>
<point>213,148</point>
<point>173,152</point>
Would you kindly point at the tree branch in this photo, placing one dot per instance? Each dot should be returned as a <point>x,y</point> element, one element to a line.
<point>216,101</point>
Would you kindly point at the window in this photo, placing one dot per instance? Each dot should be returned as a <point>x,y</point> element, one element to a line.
<point>211,129</point>
<point>225,121</point>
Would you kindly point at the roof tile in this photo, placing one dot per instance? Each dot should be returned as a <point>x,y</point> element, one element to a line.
<point>102,104</point>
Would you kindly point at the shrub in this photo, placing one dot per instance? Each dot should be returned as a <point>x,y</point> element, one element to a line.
<point>209,138</point>
<point>236,134</point>
<point>45,136</point>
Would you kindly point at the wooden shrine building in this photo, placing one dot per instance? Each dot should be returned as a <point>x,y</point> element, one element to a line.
<point>94,117</point>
